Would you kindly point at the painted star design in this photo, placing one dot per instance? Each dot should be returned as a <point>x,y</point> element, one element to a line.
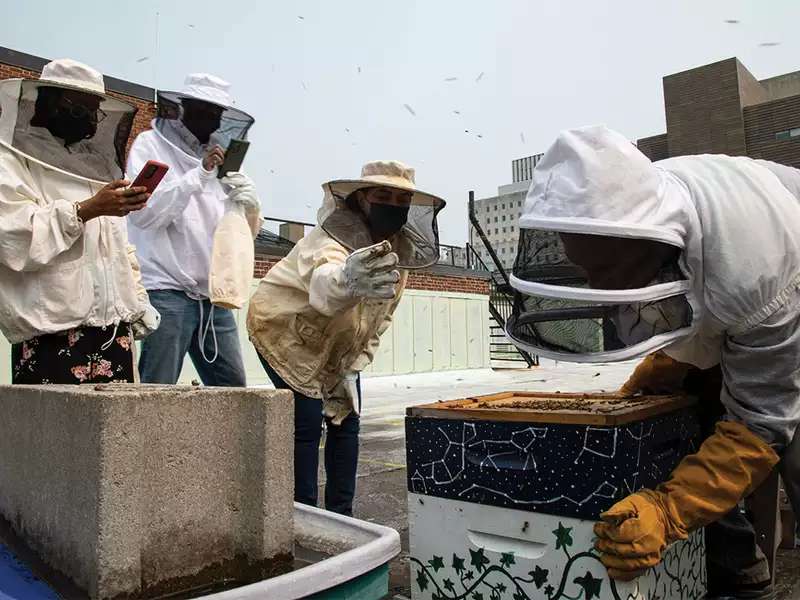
<point>437,563</point>
<point>478,560</point>
<point>563,536</point>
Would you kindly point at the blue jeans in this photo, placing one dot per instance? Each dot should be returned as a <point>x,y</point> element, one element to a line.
<point>181,331</point>
<point>341,450</point>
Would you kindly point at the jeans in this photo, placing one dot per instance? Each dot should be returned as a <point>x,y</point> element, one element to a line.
<point>181,331</point>
<point>341,450</point>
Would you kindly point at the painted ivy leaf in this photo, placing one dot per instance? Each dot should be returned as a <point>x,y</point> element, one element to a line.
<point>590,585</point>
<point>437,563</point>
<point>448,585</point>
<point>539,576</point>
<point>563,536</point>
<point>478,560</point>
<point>521,596</point>
<point>507,559</point>
<point>458,564</point>
<point>477,596</point>
<point>469,576</point>
<point>422,581</point>
<point>549,590</point>
<point>501,588</point>
<point>495,595</point>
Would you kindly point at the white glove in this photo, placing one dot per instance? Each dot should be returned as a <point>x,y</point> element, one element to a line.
<point>243,190</point>
<point>147,323</point>
<point>342,400</point>
<point>370,272</point>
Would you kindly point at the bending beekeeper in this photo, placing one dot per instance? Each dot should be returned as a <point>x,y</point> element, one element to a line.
<point>174,233</point>
<point>317,316</point>
<point>694,261</point>
<point>71,300</point>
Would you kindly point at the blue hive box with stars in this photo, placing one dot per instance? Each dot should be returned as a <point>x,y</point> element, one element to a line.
<point>504,491</point>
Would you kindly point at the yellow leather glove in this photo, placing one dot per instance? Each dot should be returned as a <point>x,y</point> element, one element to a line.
<point>705,486</point>
<point>656,374</point>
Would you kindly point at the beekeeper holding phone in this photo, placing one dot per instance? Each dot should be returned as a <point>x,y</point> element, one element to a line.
<point>71,300</point>
<point>174,233</point>
<point>317,316</point>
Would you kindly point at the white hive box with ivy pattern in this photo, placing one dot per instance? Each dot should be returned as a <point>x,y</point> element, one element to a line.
<point>504,491</point>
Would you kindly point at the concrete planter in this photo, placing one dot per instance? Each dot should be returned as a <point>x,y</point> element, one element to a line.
<point>144,489</point>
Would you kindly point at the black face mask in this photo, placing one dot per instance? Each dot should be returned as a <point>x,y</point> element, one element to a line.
<point>71,129</point>
<point>386,219</point>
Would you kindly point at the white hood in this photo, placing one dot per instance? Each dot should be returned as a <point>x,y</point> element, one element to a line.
<point>736,223</point>
<point>593,180</point>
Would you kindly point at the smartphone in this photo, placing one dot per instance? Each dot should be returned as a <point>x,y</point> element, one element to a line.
<point>151,175</point>
<point>234,157</point>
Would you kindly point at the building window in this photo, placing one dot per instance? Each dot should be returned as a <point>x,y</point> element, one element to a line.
<point>519,203</point>
<point>495,208</point>
<point>495,219</point>
<point>504,206</point>
<point>504,217</point>
<point>502,250</point>
<point>787,133</point>
<point>504,229</point>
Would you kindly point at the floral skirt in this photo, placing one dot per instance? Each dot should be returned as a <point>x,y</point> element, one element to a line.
<point>82,355</point>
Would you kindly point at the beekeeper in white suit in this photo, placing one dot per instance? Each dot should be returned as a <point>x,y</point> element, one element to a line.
<point>695,262</point>
<point>317,316</point>
<point>71,300</point>
<point>175,231</point>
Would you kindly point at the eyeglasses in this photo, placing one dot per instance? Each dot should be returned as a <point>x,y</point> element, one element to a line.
<point>81,111</point>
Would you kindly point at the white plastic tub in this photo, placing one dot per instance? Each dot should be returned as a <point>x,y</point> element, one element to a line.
<point>349,562</point>
<point>357,567</point>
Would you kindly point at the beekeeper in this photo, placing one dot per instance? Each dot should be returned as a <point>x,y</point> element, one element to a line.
<point>174,233</point>
<point>317,317</point>
<point>697,257</point>
<point>71,300</point>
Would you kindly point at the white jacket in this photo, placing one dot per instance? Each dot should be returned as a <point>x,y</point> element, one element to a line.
<point>174,233</point>
<point>737,221</point>
<point>55,272</point>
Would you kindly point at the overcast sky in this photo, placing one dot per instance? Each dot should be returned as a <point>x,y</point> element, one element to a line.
<point>327,81</point>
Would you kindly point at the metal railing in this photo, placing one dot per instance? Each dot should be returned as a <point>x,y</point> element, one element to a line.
<point>501,300</point>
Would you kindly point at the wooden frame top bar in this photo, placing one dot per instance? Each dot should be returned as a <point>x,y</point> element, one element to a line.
<point>602,409</point>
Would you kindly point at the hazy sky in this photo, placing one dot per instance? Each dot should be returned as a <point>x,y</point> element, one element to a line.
<point>311,70</point>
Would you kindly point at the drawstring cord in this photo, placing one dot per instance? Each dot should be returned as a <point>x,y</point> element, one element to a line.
<point>203,333</point>
<point>107,345</point>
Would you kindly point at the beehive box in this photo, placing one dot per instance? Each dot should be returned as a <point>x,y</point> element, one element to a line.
<point>504,491</point>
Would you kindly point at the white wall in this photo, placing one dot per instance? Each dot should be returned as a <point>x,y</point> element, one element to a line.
<point>432,331</point>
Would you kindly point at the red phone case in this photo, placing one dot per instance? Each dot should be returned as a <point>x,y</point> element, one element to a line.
<point>151,175</point>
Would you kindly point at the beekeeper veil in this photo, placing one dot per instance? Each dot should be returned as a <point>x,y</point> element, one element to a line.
<point>599,274</point>
<point>201,115</point>
<point>407,220</point>
<point>66,121</point>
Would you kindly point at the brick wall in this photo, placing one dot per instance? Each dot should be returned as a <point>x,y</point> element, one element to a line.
<point>417,280</point>
<point>763,121</point>
<point>654,147</point>
<point>704,110</point>
<point>145,114</point>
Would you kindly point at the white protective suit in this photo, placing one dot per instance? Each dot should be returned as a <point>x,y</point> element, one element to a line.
<point>57,273</point>
<point>173,233</point>
<point>738,226</point>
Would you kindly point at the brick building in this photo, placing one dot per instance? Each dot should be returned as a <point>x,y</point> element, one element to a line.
<point>721,108</point>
